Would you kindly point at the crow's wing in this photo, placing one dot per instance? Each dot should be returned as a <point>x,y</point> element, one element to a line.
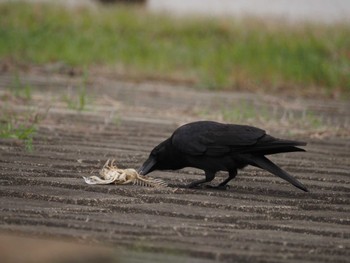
<point>271,145</point>
<point>214,139</point>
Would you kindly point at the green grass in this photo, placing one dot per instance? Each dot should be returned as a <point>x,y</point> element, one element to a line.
<point>243,112</point>
<point>23,132</point>
<point>212,53</point>
<point>13,126</point>
<point>79,101</point>
<point>20,89</point>
<point>21,127</point>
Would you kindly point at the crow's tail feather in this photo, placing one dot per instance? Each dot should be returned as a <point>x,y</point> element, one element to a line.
<point>264,163</point>
<point>274,150</point>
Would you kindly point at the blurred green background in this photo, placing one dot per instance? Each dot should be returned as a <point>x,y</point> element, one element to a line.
<point>249,54</point>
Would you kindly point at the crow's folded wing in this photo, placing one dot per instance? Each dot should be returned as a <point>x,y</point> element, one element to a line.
<point>214,139</point>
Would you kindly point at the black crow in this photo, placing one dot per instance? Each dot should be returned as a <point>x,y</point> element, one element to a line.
<point>213,147</point>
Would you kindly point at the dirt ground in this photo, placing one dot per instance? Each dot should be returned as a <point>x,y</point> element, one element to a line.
<point>259,219</point>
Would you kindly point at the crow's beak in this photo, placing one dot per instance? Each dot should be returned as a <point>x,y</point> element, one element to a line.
<point>147,166</point>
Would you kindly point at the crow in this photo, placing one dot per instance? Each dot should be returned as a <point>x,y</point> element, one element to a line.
<point>213,147</point>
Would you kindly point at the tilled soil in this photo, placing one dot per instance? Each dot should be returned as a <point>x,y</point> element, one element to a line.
<point>259,219</point>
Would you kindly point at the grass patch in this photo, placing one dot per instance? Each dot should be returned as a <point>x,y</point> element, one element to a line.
<point>78,102</point>
<point>244,112</point>
<point>12,128</point>
<point>214,53</point>
<point>12,125</point>
<point>20,132</point>
<point>21,126</point>
<point>19,89</point>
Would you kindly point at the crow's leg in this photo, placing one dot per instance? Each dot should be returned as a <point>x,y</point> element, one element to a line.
<point>231,174</point>
<point>222,186</point>
<point>209,176</point>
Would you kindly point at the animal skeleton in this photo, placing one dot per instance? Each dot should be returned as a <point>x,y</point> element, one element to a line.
<point>111,174</point>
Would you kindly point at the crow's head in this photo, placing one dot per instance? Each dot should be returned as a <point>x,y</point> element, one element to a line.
<point>162,157</point>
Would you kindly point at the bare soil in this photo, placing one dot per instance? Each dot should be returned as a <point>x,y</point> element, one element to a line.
<point>259,219</point>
